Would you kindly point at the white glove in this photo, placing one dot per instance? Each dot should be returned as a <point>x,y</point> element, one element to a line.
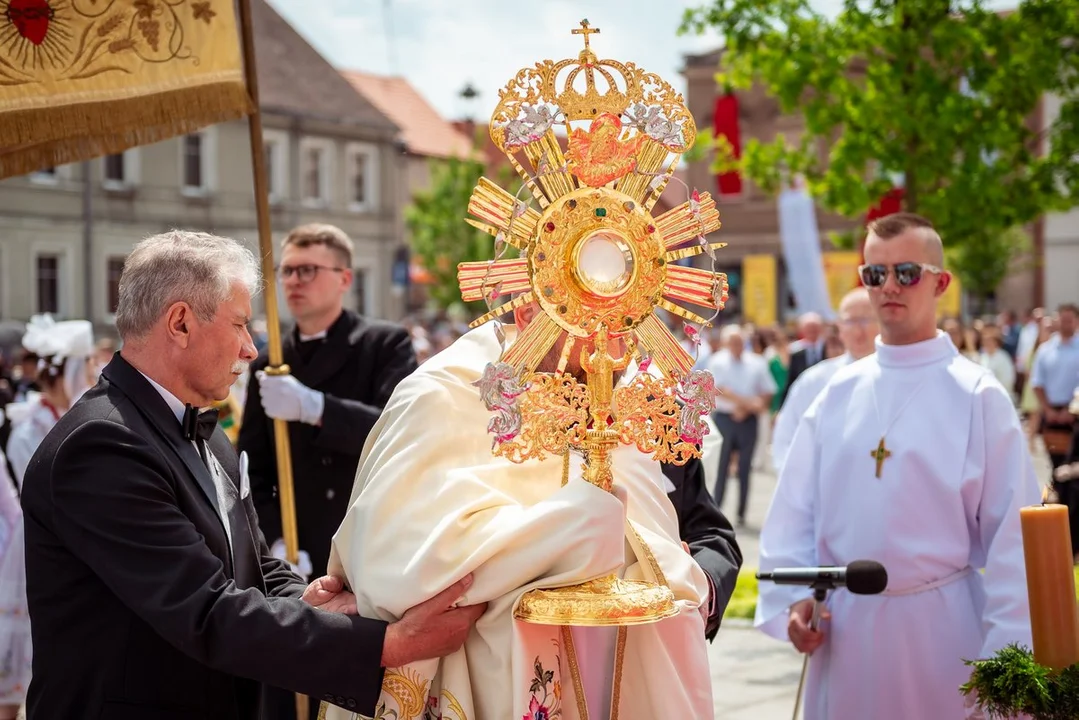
<point>303,568</point>
<point>286,398</point>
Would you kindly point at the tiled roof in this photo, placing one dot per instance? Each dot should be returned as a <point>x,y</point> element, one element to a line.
<point>425,132</point>
<point>295,79</point>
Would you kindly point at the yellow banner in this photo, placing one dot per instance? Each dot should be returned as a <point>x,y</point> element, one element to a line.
<point>951,302</point>
<point>759,289</point>
<point>841,274</point>
<point>84,78</point>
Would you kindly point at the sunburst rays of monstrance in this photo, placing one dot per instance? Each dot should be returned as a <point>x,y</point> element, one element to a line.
<point>597,264</point>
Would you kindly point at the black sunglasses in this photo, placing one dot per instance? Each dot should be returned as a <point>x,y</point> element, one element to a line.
<point>907,274</point>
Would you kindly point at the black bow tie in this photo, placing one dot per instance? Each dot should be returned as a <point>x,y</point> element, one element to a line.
<point>198,424</point>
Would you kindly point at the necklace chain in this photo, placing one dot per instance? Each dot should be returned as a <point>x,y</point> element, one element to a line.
<point>881,453</point>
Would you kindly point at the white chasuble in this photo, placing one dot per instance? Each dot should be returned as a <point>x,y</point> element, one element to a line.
<point>943,518</point>
<point>432,503</point>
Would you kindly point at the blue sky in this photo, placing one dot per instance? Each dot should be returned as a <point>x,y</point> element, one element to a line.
<point>439,45</point>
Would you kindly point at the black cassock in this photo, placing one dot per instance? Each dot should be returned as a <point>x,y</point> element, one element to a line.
<point>357,366</point>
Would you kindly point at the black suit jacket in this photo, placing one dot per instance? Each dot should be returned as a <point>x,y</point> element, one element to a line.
<point>798,365</point>
<point>356,366</point>
<point>138,608</point>
<point>708,533</point>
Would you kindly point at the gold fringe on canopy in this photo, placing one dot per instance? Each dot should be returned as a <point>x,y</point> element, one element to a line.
<point>85,78</point>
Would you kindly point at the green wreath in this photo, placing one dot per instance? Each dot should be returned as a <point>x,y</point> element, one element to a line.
<point>1011,683</point>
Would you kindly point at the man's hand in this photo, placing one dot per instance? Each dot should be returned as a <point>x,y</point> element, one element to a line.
<point>432,629</point>
<point>286,398</point>
<point>328,593</point>
<point>804,639</point>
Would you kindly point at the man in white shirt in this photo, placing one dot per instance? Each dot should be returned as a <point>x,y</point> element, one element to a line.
<point>912,457</point>
<point>857,331</point>
<point>746,388</point>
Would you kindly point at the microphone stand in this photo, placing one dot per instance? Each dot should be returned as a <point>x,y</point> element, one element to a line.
<point>820,593</point>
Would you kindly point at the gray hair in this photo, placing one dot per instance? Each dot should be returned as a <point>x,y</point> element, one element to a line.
<point>180,265</point>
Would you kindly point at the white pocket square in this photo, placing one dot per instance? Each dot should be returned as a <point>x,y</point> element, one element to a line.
<point>245,481</point>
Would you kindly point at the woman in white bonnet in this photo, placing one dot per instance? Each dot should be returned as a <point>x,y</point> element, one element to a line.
<point>65,372</point>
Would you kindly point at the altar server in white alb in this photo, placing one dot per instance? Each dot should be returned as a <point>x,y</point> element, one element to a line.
<point>912,457</point>
<point>857,331</point>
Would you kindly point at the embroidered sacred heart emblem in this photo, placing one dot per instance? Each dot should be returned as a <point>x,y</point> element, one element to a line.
<point>31,18</point>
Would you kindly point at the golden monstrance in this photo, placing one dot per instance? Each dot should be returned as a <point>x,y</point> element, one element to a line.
<point>597,263</point>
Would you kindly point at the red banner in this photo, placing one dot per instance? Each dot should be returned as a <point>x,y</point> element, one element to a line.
<point>891,203</point>
<point>726,125</point>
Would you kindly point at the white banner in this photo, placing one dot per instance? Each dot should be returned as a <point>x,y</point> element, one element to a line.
<point>800,238</point>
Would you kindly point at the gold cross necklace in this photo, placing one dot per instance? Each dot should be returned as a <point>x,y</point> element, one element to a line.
<point>882,453</point>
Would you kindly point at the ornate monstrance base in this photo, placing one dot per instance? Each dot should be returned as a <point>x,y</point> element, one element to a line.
<point>604,602</point>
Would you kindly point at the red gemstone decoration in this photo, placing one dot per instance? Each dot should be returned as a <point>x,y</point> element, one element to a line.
<point>651,229</point>
<point>31,18</point>
<point>549,227</point>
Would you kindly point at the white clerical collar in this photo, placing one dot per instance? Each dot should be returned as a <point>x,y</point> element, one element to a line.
<point>317,336</point>
<point>916,354</point>
<point>174,403</point>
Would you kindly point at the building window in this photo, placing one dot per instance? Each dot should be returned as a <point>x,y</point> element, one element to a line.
<point>362,176</point>
<point>114,271</point>
<point>192,158</point>
<point>115,170</point>
<point>315,172</point>
<point>48,284</point>
<point>358,179</point>
<point>275,144</point>
<point>313,178</point>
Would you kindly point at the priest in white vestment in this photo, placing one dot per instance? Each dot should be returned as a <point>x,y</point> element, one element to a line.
<point>912,457</point>
<point>857,331</point>
<point>432,502</point>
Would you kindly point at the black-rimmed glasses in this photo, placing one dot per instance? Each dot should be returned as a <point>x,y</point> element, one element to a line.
<point>304,273</point>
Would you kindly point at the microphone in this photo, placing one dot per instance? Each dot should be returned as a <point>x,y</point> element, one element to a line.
<point>861,577</point>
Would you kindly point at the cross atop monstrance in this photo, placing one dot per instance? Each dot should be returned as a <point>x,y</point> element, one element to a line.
<point>585,30</point>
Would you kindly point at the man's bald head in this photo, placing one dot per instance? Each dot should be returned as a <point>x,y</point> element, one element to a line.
<point>856,298</point>
<point>892,226</point>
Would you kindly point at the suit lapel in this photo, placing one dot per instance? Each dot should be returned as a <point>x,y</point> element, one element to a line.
<point>329,358</point>
<point>154,408</point>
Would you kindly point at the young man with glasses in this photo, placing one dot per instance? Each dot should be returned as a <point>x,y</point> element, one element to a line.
<point>913,457</point>
<point>344,367</point>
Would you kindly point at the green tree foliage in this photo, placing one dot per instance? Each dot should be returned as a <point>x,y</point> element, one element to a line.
<point>440,237</point>
<point>942,92</point>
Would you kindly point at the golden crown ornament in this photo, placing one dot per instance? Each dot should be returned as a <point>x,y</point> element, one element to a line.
<point>597,264</point>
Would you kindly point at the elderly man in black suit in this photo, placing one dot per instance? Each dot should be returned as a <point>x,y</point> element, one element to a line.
<point>151,591</point>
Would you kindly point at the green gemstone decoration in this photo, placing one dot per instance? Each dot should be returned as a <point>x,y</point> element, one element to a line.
<point>601,212</point>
